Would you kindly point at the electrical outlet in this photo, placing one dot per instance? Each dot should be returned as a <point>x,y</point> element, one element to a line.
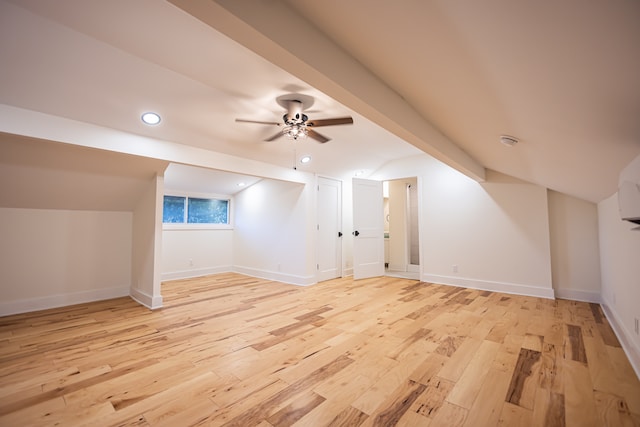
<point>454,268</point>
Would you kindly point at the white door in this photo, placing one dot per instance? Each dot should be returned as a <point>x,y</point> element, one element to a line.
<point>368,229</point>
<point>329,229</point>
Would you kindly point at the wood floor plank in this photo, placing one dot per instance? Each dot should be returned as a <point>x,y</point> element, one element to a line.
<point>613,410</point>
<point>574,344</point>
<point>229,349</point>
<point>449,415</point>
<point>579,400</point>
<point>524,380</point>
<point>488,404</point>
<point>466,389</point>
<point>399,402</point>
<point>549,410</point>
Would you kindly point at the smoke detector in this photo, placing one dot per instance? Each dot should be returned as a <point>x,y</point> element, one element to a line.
<point>509,141</point>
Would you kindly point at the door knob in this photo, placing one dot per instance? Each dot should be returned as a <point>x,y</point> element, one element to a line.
<point>339,233</point>
<point>356,233</point>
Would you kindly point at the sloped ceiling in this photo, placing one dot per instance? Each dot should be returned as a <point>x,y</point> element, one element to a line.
<point>447,78</point>
<point>40,174</point>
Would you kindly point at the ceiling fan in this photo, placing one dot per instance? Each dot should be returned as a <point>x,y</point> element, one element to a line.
<point>295,124</point>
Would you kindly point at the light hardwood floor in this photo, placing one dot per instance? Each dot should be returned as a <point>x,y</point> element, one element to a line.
<point>234,350</point>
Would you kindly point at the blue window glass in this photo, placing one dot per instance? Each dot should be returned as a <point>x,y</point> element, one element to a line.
<point>173,209</point>
<point>207,211</point>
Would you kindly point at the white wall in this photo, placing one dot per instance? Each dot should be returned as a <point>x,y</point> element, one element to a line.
<point>620,266</point>
<point>575,253</point>
<point>273,231</point>
<point>191,253</point>
<point>147,246</point>
<point>53,258</point>
<point>496,232</point>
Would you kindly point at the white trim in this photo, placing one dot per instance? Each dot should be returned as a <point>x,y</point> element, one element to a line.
<point>578,295</point>
<point>630,348</point>
<point>62,300</point>
<point>485,285</point>
<point>276,276</point>
<point>346,272</point>
<point>198,272</point>
<point>397,267</point>
<point>141,297</point>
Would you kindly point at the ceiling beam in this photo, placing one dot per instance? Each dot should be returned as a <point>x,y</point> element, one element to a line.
<point>280,35</point>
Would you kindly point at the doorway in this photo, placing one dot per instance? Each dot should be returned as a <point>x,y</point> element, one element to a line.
<point>401,228</point>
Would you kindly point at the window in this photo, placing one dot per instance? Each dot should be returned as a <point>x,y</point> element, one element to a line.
<point>195,210</point>
<point>173,209</point>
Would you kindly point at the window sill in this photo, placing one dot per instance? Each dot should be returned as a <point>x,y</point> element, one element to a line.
<point>169,227</point>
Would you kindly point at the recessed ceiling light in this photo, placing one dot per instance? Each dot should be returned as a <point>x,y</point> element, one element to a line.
<point>241,184</point>
<point>151,118</point>
<point>509,141</point>
<point>305,159</point>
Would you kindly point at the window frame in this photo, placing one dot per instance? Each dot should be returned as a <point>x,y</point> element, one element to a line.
<point>200,225</point>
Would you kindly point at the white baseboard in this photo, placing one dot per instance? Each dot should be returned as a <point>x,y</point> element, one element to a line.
<point>187,274</point>
<point>507,288</point>
<point>630,348</point>
<point>347,272</point>
<point>578,295</point>
<point>149,301</point>
<point>276,276</point>
<point>54,301</point>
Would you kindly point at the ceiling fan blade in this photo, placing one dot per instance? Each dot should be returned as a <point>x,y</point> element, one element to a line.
<point>258,122</point>
<point>330,122</point>
<point>274,137</point>
<point>318,137</point>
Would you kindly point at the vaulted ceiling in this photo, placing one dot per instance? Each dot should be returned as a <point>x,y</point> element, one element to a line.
<point>446,78</point>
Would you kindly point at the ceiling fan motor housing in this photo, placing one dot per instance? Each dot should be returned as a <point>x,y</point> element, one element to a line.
<point>294,114</point>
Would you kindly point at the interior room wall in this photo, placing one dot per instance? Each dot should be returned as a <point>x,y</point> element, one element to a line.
<point>492,235</point>
<point>575,253</point>
<point>191,253</point>
<point>273,231</point>
<point>146,253</point>
<point>620,269</point>
<point>54,258</point>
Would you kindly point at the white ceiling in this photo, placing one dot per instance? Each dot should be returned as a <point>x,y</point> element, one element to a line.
<point>182,178</point>
<point>561,76</point>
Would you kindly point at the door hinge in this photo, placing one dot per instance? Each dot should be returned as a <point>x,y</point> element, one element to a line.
<point>318,227</point>
<point>317,266</point>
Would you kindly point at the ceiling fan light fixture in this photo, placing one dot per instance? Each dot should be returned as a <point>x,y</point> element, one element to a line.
<point>295,131</point>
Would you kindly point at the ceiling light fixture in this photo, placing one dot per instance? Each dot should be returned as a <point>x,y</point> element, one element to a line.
<point>151,118</point>
<point>241,184</point>
<point>295,131</point>
<point>295,124</point>
<point>509,141</point>
<point>305,159</point>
